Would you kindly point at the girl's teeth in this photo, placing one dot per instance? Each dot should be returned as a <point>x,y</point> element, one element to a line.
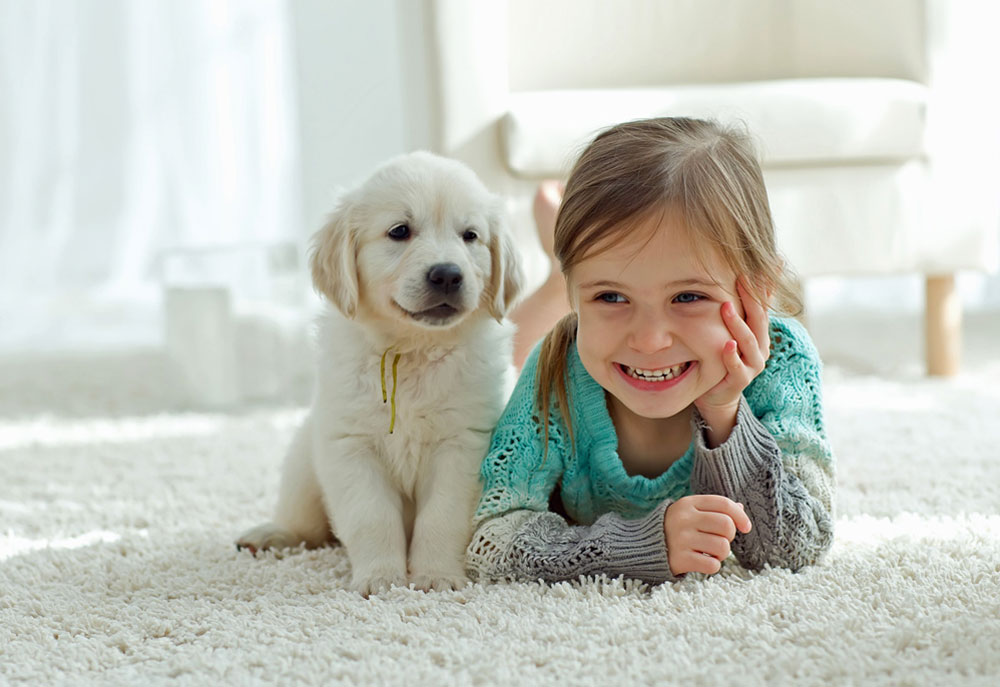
<point>656,375</point>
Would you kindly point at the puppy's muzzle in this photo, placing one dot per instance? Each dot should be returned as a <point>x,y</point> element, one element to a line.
<point>445,278</point>
<point>441,296</point>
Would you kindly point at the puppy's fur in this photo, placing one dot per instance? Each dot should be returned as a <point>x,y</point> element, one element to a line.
<point>419,263</point>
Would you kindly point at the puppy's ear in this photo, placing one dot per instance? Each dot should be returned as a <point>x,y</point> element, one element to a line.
<point>506,275</point>
<point>333,259</point>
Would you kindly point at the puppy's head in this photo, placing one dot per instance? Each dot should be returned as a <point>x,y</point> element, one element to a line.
<point>421,243</point>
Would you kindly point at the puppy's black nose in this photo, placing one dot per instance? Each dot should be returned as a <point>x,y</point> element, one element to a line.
<point>445,277</point>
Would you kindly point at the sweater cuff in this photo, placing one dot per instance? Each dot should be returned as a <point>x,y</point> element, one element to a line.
<point>638,548</point>
<point>738,461</point>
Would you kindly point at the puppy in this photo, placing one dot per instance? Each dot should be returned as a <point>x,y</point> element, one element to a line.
<point>414,371</point>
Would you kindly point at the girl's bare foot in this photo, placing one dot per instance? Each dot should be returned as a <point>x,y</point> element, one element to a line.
<point>546,207</point>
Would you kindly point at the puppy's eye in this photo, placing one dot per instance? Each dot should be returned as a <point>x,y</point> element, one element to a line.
<point>400,232</point>
<point>470,235</point>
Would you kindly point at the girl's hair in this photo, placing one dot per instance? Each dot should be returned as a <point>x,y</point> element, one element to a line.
<point>629,173</point>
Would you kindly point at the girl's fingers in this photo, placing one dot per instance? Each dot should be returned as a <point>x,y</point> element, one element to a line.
<point>712,545</point>
<point>746,339</point>
<point>742,520</point>
<point>692,561</point>
<point>757,319</point>
<point>714,503</point>
<point>717,524</point>
<point>732,360</point>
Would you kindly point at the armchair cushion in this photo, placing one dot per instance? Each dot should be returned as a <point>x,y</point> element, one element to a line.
<point>797,122</point>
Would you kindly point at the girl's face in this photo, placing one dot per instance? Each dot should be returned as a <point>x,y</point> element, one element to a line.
<point>650,323</point>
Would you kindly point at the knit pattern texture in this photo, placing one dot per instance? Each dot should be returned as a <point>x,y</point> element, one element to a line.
<point>777,462</point>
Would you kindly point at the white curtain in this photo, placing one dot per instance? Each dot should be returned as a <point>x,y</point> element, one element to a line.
<point>141,142</point>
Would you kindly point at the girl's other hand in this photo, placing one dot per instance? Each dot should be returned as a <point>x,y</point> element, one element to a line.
<point>744,357</point>
<point>698,530</point>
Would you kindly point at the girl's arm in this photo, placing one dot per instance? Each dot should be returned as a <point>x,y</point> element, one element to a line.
<point>528,545</point>
<point>777,461</point>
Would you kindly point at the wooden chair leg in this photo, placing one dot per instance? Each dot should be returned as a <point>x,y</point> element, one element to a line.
<point>942,325</point>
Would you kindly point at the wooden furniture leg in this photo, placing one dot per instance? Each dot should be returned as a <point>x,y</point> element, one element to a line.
<point>942,325</point>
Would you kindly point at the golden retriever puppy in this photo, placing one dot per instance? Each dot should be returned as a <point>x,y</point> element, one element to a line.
<point>414,370</point>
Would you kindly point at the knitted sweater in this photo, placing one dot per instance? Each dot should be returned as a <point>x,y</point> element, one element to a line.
<point>777,462</point>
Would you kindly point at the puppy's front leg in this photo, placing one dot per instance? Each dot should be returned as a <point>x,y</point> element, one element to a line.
<point>365,510</point>
<point>447,494</point>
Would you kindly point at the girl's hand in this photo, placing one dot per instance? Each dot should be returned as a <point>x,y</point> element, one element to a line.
<point>698,530</point>
<point>744,357</point>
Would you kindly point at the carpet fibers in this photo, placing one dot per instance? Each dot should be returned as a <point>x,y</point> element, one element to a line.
<point>117,567</point>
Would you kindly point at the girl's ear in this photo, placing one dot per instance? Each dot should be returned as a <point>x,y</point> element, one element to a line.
<point>333,259</point>
<point>506,275</point>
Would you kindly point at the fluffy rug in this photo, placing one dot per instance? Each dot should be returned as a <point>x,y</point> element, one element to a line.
<point>117,567</point>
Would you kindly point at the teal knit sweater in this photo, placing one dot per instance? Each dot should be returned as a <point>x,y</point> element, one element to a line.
<point>776,462</point>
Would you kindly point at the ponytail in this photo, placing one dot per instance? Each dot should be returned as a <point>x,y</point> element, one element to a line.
<point>553,374</point>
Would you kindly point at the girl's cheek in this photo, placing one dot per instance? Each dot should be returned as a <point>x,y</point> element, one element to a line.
<point>595,313</point>
<point>709,328</point>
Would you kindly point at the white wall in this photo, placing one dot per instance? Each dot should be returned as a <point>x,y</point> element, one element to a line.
<point>363,91</point>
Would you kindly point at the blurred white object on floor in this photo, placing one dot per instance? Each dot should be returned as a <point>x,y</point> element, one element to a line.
<point>233,317</point>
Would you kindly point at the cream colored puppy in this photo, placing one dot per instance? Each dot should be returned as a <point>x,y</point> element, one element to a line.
<point>414,370</point>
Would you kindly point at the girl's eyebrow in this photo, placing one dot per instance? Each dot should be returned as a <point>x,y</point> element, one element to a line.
<point>602,283</point>
<point>693,281</point>
<point>680,283</point>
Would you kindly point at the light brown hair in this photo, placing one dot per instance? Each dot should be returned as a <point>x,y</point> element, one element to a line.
<point>706,171</point>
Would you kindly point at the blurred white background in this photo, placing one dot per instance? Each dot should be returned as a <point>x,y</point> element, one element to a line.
<point>162,161</point>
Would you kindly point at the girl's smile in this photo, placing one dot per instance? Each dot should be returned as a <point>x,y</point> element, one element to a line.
<point>655,380</point>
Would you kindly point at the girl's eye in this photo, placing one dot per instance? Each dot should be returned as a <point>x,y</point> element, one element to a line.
<point>400,232</point>
<point>470,235</point>
<point>610,297</point>
<point>687,298</point>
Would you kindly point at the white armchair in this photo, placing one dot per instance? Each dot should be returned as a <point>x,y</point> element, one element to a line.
<point>876,119</point>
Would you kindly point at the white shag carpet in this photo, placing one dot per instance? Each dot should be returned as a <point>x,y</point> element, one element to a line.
<point>117,564</point>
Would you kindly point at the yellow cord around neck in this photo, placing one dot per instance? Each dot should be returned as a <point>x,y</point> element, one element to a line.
<point>395,362</point>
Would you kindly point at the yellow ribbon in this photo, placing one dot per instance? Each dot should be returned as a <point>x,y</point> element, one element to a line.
<point>395,362</point>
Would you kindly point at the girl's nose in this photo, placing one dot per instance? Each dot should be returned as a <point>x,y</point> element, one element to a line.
<point>649,334</point>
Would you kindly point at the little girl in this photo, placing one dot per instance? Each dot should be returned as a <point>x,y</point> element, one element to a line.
<point>667,412</point>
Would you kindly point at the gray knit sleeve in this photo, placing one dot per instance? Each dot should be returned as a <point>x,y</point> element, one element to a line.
<point>791,527</point>
<point>529,545</point>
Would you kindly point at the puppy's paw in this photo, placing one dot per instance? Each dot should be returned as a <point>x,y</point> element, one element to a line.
<point>439,581</point>
<point>266,536</point>
<point>366,585</point>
